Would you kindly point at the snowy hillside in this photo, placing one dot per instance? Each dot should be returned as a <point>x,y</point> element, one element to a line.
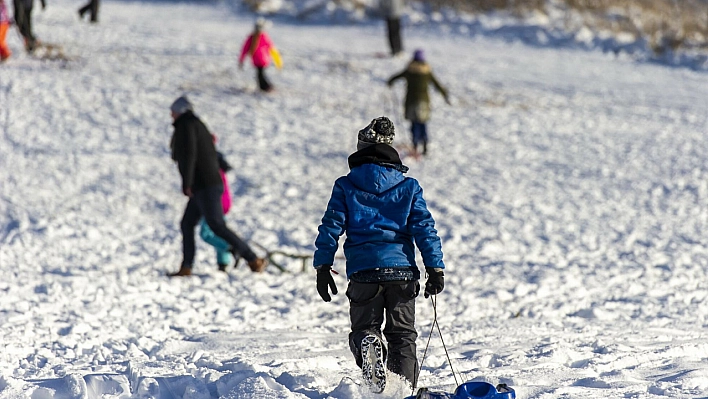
<point>569,189</point>
<point>659,31</point>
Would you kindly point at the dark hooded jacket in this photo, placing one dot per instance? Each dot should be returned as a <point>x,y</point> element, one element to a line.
<point>418,76</point>
<point>383,213</point>
<point>28,4</point>
<point>193,150</point>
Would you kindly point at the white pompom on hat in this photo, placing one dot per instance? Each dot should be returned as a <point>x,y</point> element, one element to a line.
<point>379,131</point>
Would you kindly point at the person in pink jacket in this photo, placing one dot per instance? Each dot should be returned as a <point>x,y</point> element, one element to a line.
<point>4,27</point>
<point>260,48</point>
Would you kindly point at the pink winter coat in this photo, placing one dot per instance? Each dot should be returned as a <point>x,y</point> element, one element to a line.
<point>4,16</point>
<point>261,56</point>
<point>226,196</point>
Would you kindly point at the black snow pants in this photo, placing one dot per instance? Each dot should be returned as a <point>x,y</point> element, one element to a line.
<point>206,203</point>
<point>394,35</point>
<point>263,82</point>
<point>23,20</point>
<point>367,304</point>
<point>91,6</point>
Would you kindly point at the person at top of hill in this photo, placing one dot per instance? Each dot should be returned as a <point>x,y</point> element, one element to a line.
<point>223,255</point>
<point>392,11</point>
<point>5,52</point>
<point>384,216</point>
<point>418,75</point>
<point>23,20</point>
<point>259,47</point>
<point>92,8</point>
<point>198,163</point>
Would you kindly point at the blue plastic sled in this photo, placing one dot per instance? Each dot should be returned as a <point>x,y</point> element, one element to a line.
<point>470,390</point>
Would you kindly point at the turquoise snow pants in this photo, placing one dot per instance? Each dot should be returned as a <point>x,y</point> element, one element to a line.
<point>223,256</point>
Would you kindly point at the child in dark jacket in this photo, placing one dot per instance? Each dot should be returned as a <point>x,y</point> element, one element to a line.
<point>194,153</point>
<point>384,216</point>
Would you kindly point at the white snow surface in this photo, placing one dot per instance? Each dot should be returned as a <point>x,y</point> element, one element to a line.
<point>569,189</point>
<point>555,24</point>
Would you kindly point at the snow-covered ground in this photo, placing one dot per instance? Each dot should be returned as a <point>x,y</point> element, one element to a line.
<point>554,24</point>
<point>570,189</point>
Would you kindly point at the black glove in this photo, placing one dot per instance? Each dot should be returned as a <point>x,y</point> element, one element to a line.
<point>325,281</point>
<point>436,281</point>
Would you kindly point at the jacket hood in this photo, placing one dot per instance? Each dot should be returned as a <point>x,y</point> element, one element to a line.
<point>183,117</point>
<point>376,169</point>
<point>419,67</point>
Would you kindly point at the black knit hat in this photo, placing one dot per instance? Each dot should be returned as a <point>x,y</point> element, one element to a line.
<point>379,131</point>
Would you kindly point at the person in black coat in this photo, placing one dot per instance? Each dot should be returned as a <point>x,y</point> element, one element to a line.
<point>23,20</point>
<point>392,11</point>
<point>91,6</point>
<point>198,163</point>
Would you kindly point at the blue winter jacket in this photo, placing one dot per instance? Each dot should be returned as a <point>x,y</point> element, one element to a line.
<point>383,213</point>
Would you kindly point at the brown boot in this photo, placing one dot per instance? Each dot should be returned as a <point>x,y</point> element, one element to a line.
<point>183,271</point>
<point>258,265</point>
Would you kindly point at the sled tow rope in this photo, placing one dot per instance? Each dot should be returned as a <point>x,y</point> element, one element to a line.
<point>433,301</point>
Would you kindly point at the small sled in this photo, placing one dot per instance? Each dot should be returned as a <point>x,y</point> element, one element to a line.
<point>50,51</point>
<point>407,151</point>
<point>470,390</point>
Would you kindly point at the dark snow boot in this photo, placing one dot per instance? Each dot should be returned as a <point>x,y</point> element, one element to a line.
<point>222,267</point>
<point>372,366</point>
<point>258,265</point>
<point>183,271</point>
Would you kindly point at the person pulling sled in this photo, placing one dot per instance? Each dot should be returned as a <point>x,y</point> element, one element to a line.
<point>385,217</point>
<point>23,20</point>
<point>197,160</point>
<point>418,75</point>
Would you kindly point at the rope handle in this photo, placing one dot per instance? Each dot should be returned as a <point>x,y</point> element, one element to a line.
<point>433,301</point>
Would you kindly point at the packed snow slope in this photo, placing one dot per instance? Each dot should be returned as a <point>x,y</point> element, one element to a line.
<point>642,30</point>
<point>569,189</point>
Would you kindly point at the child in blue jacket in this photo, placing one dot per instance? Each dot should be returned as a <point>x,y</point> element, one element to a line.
<point>384,216</point>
